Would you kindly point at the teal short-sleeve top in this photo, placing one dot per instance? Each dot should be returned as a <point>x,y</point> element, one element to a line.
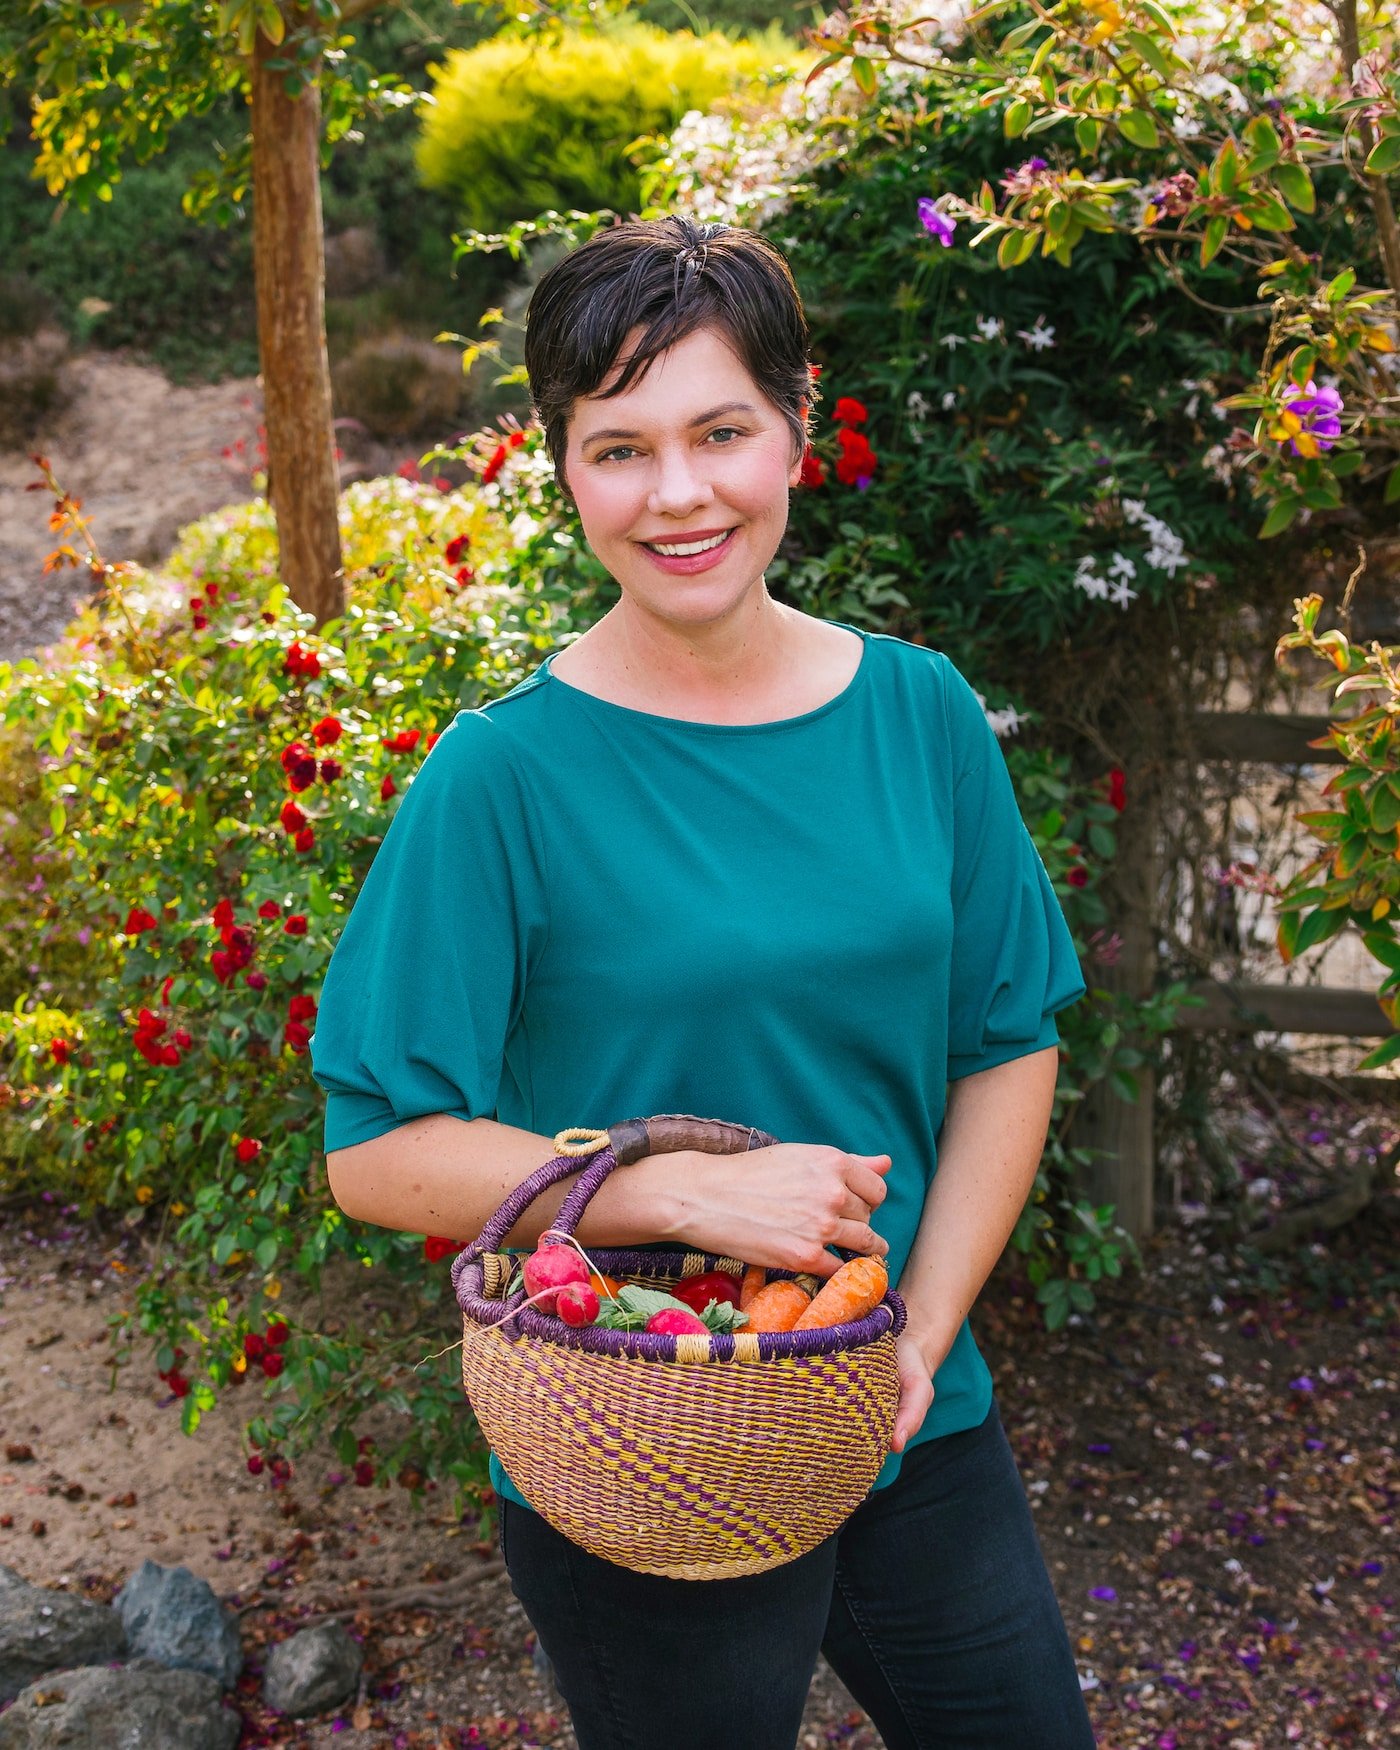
<point>582,913</point>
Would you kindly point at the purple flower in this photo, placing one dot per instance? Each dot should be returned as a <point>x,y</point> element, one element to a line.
<point>937,224</point>
<point>1104,1594</point>
<point>1302,1383</point>
<point>1320,412</point>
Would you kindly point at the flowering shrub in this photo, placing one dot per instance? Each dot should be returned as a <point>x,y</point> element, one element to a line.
<point>212,779</point>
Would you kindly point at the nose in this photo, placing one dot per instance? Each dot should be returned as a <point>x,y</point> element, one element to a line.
<point>678,487</point>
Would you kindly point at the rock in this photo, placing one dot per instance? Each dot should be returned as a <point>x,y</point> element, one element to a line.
<point>141,1706</point>
<point>312,1671</point>
<point>172,1616</point>
<point>44,1631</point>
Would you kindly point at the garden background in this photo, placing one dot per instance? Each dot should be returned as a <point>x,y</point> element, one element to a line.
<point>1104,302</point>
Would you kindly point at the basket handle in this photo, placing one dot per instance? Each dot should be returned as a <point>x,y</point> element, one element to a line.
<point>619,1146</point>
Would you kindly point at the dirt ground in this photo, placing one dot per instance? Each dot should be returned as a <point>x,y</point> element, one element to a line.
<point>1213,1468</point>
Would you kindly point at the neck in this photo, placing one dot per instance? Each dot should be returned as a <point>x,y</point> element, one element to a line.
<point>740,658</point>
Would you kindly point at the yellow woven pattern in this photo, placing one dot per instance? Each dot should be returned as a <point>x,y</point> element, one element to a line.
<point>690,1471</point>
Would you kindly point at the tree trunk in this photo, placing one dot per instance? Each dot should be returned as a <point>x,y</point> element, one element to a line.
<point>289,270</point>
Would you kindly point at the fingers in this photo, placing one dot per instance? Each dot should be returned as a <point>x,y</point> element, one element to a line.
<point>859,1236</point>
<point>867,1182</point>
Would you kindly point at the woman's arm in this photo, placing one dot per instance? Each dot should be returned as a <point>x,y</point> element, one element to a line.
<point>990,1145</point>
<point>780,1206</point>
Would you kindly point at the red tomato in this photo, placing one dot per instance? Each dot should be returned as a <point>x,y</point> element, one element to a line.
<point>699,1291</point>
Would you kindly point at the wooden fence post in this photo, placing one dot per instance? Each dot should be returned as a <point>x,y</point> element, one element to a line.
<point>1120,1133</point>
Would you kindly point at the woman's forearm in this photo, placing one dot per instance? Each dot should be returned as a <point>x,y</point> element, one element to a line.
<point>990,1145</point>
<point>446,1175</point>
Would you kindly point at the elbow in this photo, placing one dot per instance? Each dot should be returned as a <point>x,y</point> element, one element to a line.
<point>345,1173</point>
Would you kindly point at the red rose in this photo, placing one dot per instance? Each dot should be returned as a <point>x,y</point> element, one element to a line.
<point>223,965</point>
<point>277,1333</point>
<point>494,466</point>
<point>212,591</point>
<point>296,1037</point>
<point>331,770</point>
<point>1078,876</point>
<point>240,947</point>
<point>388,788</point>
<point>435,1248</point>
<point>431,742</point>
<point>299,763</point>
<point>364,1473</point>
<point>255,1466</point>
<point>326,731</point>
<point>178,1384</point>
<point>464,575</point>
<point>1117,789</point>
<point>857,460</point>
<point>138,919</point>
<point>200,624</point>
<point>59,1050</point>
<point>455,548</point>
<point>295,925</point>
<point>170,1055</point>
<point>222,914</point>
<point>301,664</point>
<point>269,909</point>
<point>306,839</point>
<point>165,985</point>
<point>248,1149</point>
<point>813,470</point>
<point>254,1345</point>
<point>272,1364</point>
<point>301,1008</point>
<point>849,411</point>
<point>404,742</point>
<point>293,820</point>
<point>255,980</point>
<point>515,439</point>
<point>182,1039</point>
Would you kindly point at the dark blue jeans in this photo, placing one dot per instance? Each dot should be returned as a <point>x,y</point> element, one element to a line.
<point>932,1604</point>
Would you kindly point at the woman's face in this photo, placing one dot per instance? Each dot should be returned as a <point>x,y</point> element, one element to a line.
<point>682,482</point>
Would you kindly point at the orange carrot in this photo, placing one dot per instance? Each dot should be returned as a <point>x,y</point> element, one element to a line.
<point>605,1287</point>
<point>777,1307</point>
<point>856,1289</point>
<point>754,1278</point>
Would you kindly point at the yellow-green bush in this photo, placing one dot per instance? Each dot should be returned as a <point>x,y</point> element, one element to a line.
<point>517,127</point>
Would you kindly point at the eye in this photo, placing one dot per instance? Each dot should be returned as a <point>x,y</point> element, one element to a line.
<point>618,450</point>
<point>725,433</point>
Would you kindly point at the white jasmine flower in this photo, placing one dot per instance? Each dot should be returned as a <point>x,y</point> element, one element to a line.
<point>1120,595</point>
<point>952,341</point>
<point>949,401</point>
<point>990,327</point>
<point>1122,566</point>
<point>1038,336</point>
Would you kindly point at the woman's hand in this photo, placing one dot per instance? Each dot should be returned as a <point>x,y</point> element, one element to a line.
<point>915,1391</point>
<point>781,1206</point>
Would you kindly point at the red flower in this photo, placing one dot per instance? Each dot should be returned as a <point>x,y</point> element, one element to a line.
<point>165,990</point>
<point>200,624</point>
<point>857,461</point>
<point>331,770</point>
<point>269,909</point>
<point>407,470</point>
<point>326,731</point>
<point>240,947</point>
<point>170,1055</point>
<point>299,763</point>
<point>463,576</point>
<point>813,469</point>
<point>388,788</point>
<point>295,925</point>
<point>248,1149</point>
<point>404,742</point>
<point>435,1248</point>
<point>178,1384</point>
<point>255,980</point>
<point>277,1333</point>
<point>223,965</point>
<point>254,1345</point>
<point>306,839</point>
<point>272,1364</point>
<point>182,1039</point>
<point>849,411</point>
<point>364,1473</point>
<point>301,664</point>
<point>1117,789</point>
<point>292,818</point>
<point>301,1008</point>
<point>455,548</point>
<point>59,1049</point>
<point>515,439</point>
<point>1078,876</point>
<point>814,371</point>
<point>212,591</point>
<point>222,914</point>
<point>296,1036</point>
<point>431,742</point>
<point>255,1465</point>
<point>137,920</point>
<point>494,466</point>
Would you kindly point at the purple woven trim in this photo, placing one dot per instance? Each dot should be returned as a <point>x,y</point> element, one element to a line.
<point>525,1193</point>
<point>652,1346</point>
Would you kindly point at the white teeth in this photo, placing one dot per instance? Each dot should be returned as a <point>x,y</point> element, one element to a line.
<point>681,549</point>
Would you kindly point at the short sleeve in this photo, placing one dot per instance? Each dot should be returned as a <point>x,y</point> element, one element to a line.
<point>427,978</point>
<point>1014,963</point>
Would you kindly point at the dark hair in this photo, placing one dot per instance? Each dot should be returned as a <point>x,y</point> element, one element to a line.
<point>667,277</point>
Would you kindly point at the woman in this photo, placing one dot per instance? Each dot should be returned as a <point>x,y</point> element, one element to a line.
<point>718,856</point>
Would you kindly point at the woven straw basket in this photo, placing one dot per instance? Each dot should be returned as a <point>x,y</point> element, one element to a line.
<point>694,1457</point>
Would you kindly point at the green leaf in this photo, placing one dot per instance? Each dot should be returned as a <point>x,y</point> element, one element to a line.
<point>1214,237</point>
<point>1382,947</point>
<point>1144,47</point>
<point>1384,157</point>
<point>265,1252</point>
<point>1280,515</point>
<point>58,819</point>
<point>1383,1054</point>
<point>1295,185</point>
<point>1392,485</point>
<point>864,74</point>
<point>318,896</point>
<point>1385,808</point>
<point>1340,286</point>
<point>1138,128</point>
<point>1269,214</point>
<point>1087,134</point>
<point>1319,927</point>
<point>1015,117</point>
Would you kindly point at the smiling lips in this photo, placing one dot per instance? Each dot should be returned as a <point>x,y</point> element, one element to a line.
<point>696,553</point>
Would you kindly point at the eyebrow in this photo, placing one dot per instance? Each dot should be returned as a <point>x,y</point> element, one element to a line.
<point>712,413</point>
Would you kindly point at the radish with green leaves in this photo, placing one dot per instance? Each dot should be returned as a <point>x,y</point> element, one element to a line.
<point>549,1268</point>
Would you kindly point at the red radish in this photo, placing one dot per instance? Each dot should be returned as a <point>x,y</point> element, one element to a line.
<point>698,1291</point>
<point>550,1268</point>
<point>675,1321</point>
<point>577,1303</point>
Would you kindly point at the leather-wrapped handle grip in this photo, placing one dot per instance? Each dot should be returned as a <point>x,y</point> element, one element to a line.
<point>671,1132</point>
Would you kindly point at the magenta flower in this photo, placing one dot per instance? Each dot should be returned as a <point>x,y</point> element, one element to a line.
<point>1320,411</point>
<point>937,224</point>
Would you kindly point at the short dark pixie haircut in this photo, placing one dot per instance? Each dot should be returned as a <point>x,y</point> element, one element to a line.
<point>666,277</point>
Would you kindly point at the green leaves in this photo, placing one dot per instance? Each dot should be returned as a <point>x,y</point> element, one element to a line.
<point>1138,128</point>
